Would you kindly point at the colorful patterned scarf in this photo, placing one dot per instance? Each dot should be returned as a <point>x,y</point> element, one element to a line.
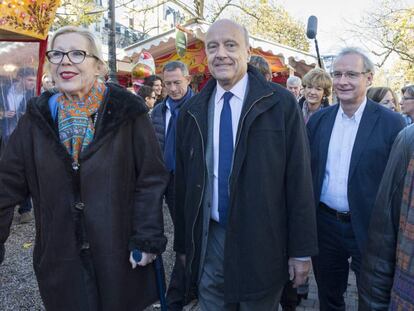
<point>402,293</point>
<point>76,127</point>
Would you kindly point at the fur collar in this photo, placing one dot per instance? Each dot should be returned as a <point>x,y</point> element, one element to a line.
<point>119,106</point>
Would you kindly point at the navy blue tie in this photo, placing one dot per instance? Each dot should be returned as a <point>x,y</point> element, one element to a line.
<point>225,158</point>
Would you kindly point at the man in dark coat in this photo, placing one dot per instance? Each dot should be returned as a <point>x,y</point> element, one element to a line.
<point>387,273</point>
<point>244,219</point>
<point>120,179</point>
<point>350,143</point>
<point>13,100</point>
<point>164,118</point>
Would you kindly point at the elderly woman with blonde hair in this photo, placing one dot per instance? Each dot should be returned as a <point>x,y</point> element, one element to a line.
<point>89,158</point>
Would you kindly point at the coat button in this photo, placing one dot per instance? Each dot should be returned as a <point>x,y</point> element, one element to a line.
<point>75,166</point>
<point>85,245</point>
<point>80,206</point>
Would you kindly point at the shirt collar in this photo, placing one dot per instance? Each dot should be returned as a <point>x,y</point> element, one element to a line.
<point>357,115</point>
<point>238,90</point>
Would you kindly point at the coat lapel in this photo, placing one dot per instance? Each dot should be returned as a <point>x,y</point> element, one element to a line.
<point>367,124</point>
<point>324,139</point>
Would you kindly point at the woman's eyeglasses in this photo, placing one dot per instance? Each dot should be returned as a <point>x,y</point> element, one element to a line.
<point>75,56</point>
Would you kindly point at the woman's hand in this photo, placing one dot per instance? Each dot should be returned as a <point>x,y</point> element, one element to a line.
<point>145,260</point>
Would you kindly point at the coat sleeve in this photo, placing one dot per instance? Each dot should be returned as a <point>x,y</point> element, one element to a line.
<point>152,178</point>
<point>302,239</point>
<point>13,183</point>
<point>378,262</point>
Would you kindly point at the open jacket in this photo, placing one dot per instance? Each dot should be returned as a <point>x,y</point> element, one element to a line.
<point>271,214</point>
<point>376,133</point>
<point>379,260</point>
<point>116,192</point>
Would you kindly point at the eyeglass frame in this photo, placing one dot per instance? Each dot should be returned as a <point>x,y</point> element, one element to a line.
<point>407,98</point>
<point>347,74</point>
<point>67,55</point>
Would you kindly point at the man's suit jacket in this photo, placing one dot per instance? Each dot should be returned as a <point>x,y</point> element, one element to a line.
<point>376,133</point>
<point>9,124</point>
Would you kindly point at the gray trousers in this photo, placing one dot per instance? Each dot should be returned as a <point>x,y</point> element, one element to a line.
<point>211,286</point>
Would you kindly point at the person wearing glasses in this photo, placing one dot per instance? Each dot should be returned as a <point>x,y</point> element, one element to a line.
<point>89,158</point>
<point>407,103</point>
<point>384,96</point>
<point>350,143</point>
<point>147,94</point>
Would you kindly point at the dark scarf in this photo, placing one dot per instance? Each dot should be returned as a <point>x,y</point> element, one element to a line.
<point>402,297</point>
<point>169,148</point>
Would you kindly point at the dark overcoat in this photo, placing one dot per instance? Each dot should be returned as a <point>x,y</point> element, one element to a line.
<point>272,215</point>
<point>119,183</point>
<point>386,245</point>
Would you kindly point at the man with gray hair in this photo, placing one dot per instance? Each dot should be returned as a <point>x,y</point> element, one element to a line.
<point>294,85</point>
<point>350,143</point>
<point>244,204</point>
<point>164,118</point>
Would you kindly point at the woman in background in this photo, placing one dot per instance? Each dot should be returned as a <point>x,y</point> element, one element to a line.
<point>155,82</point>
<point>317,88</point>
<point>407,103</point>
<point>385,97</point>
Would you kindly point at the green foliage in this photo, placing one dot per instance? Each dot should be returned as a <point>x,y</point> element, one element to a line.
<point>271,21</point>
<point>388,31</point>
<point>77,13</point>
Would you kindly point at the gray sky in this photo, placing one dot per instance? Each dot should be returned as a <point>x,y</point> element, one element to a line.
<point>334,17</point>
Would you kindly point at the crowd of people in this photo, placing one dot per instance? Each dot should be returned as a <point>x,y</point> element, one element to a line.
<point>263,183</point>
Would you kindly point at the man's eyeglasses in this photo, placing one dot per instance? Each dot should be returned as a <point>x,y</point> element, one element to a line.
<point>407,98</point>
<point>351,75</point>
<point>75,56</point>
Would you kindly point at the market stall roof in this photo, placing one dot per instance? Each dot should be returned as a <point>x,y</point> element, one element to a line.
<point>26,19</point>
<point>164,43</point>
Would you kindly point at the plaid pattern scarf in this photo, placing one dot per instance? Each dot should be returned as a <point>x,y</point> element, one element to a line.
<point>402,293</point>
<point>76,127</point>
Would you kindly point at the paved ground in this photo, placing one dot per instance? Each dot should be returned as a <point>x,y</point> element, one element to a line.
<point>18,287</point>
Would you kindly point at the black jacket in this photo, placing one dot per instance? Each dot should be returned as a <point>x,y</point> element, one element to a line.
<point>120,181</point>
<point>158,120</point>
<point>378,263</point>
<point>271,216</point>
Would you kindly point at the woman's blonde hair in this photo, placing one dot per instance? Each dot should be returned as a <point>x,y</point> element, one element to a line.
<point>318,78</point>
<point>95,44</point>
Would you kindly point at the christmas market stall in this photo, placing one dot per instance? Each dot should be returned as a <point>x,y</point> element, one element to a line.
<point>186,43</point>
<point>24,27</point>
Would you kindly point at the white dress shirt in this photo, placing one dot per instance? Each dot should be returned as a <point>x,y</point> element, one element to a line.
<point>335,182</point>
<point>14,98</point>
<point>236,104</point>
<point>167,116</point>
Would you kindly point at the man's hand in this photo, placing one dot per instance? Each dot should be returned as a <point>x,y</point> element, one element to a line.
<point>9,114</point>
<point>2,251</point>
<point>145,260</point>
<point>298,271</point>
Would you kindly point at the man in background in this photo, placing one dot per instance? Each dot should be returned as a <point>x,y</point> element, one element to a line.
<point>294,85</point>
<point>164,118</point>
<point>13,101</point>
